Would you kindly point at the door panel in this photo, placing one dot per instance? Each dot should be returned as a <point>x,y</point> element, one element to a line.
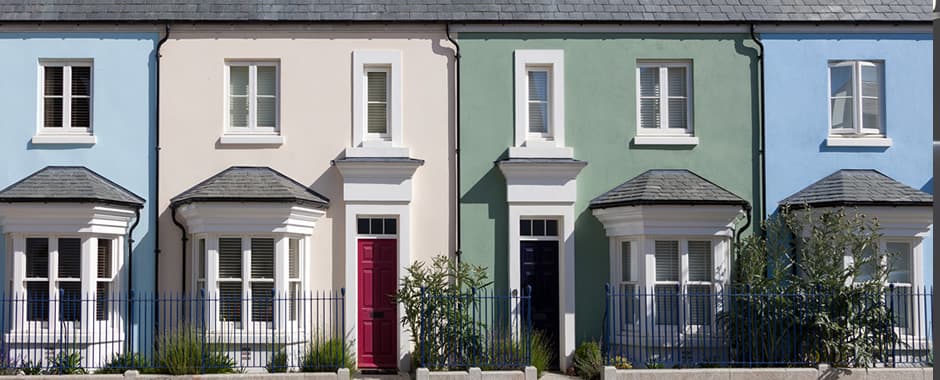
<point>378,328</point>
<point>539,265</point>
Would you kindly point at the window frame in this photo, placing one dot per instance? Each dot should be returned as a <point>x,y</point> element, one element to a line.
<point>548,135</point>
<point>633,278</point>
<point>663,129</point>
<point>377,68</point>
<point>857,99</point>
<point>551,143</point>
<point>66,128</point>
<point>252,128</point>
<point>685,321</point>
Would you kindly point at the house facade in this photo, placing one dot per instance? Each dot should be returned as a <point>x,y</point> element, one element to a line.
<point>77,179</point>
<point>304,147</point>
<point>555,126</point>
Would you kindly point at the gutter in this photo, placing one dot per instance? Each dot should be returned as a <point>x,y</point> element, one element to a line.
<point>762,205</point>
<point>458,252</point>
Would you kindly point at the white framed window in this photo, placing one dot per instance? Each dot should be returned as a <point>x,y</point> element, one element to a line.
<point>252,102</point>
<point>539,104</point>
<point>377,111</point>
<point>377,101</point>
<point>664,98</point>
<point>535,228</point>
<point>901,292</point>
<point>65,101</point>
<point>105,272</point>
<point>684,282</point>
<point>856,98</point>
<point>627,276</point>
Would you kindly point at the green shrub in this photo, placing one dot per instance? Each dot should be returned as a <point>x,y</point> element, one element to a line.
<point>182,352</point>
<point>501,354</point>
<point>328,356</point>
<point>13,367</point>
<point>278,363</point>
<point>30,368</point>
<point>652,364</point>
<point>543,354</point>
<point>621,362</point>
<point>67,363</point>
<point>587,361</point>
<point>120,363</point>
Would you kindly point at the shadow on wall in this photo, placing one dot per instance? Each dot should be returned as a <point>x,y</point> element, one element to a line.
<point>330,184</point>
<point>756,193</point>
<point>491,191</point>
<point>823,148</point>
<point>928,187</point>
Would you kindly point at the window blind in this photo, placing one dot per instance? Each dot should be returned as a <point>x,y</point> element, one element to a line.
<point>230,301</point>
<point>103,295</point>
<point>238,96</point>
<point>700,302</point>
<point>53,78</point>
<point>266,96</point>
<point>104,258</point>
<point>262,303</point>
<point>678,98</point>
<point>649,97</point>
<point>230,257</point>
<point>667,260</point>
<point>201,264</point>
<point>70,258</point>
<point>700,261</point>
<point>37,258</point>
<point>625,261</point>
<point>377,99</point>
<point>900,269</point>
<point>538,101</point>
<point>81,96</point>
<point>70,305</point>
<point>293,259</point>
<point>262,258</point>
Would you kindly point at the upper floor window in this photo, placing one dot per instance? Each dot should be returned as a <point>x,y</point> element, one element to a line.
<point>377,105</point>
<point>856,97</point>
<point>377,100</point>
<point>252,98</point>
<point>65,102</point>
<point>538,97</point>
<point>539,104</point>
<point>664,98</point>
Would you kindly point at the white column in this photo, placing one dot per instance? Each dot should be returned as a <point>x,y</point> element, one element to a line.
<point>18,269</point>
<point>281,288</point>
<point>212,279</point>
<point>89,273</point>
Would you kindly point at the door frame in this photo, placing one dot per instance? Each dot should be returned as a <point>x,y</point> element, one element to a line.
<point>351,279</point>
<point>564,214</point>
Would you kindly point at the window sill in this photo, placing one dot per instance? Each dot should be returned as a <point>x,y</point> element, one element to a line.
<point>665,140</point>
<point>43,139</point>
<point>251,140</point>
<point>862,142</point>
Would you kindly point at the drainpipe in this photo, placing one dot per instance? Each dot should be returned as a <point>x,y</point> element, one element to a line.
<point>747,214</point>
<point>762,205</point>
<point>183,240</point>
<point>156,180</point>
<point>130,276</point>
<point>458,251</point>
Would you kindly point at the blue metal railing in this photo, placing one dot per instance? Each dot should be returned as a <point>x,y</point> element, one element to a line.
<point>667,327</point>
<point>480,328</point>
<point>173,333</point>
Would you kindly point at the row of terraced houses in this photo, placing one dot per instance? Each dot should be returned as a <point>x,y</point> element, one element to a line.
<point>182,146</point>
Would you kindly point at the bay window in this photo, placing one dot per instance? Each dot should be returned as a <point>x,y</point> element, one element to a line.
<point>684,282</point>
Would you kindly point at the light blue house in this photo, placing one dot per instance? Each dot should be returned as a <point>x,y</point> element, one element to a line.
<point>848,123</point>
<point>77,163</point>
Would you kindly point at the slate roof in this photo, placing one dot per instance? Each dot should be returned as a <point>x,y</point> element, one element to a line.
<point>858,187</point>
<point>69,184</point>
<point>469,10</point>
<point>250,184</point>
<point>667,187</point>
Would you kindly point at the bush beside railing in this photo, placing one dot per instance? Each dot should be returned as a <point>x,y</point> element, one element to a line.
<point>174,334</point>
<point>739,328</point>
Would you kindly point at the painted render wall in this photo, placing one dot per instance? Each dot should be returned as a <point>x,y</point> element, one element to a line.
<point>316,121</point>
<point>600,123</point>
<point>123,110</point>
<point>798,119</point>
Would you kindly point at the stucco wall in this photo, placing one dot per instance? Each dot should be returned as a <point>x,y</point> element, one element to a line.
<point>600,125</point>
<point>798,119</point>
<point>123,118</point>
<point>316,121</point>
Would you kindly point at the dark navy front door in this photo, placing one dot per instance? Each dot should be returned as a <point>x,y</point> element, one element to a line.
<point>539,265</point>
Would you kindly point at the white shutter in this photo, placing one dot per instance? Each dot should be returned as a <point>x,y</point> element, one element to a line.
<point>667,260</point>
<point>262,258</point>
<point>377,99</point>
<point>700,261</point>
<point>230,258</point>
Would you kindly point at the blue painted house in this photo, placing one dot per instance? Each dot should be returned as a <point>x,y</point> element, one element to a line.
<point>76,172</point>
<point>848,123</point>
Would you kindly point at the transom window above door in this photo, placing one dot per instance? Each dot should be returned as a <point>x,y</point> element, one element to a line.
<point>377,226</point>
<point>538,227</point>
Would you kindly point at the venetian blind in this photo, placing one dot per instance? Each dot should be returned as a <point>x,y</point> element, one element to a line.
<point>230,257</point>
<point>667,260</point>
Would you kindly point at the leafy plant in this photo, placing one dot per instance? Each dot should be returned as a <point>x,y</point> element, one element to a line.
<point>652,364</point>
<point>278,362</point>
<point>183,352</point>
<point>543,354</point>
<point>812,306</point>
<point>328,356</point>
<point>15,366</point>
<point>120,363</point>
<point>587,361</point>
<point>621,362</point>
<point>67,363</point>
<point>438,300</point>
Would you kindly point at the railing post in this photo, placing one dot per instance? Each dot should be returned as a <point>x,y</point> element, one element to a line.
<point>891,318</point>
<point>128,338</point>
<point>273,322</point>
<point>607,318</point>
<point>528,318</point>
<point>422,343</point>
<point>342,292</point>
<point>202,321</point>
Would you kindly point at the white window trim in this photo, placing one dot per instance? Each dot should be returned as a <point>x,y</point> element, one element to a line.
<point>549,123</point>
<point>252,134</point>
<point>663,134</point>
<point>66,134</point>
<point>870,137</point>
<point>540,145</point>
<point>390,62</point>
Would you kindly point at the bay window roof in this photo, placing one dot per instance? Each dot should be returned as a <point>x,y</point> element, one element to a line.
<point>69,184</point>
<point>666,187</point>
<point>858,187</point>
<point>251,184</point>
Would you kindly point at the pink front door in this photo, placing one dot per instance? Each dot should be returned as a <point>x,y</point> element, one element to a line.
<point>378,322</point>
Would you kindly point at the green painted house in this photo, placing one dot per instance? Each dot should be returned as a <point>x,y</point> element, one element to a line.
<point>602,156</point>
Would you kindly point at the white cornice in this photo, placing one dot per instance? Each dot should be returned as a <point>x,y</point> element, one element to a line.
<point>377,181</point>
<point>65,218</point>
<point>541,181</point>
<point>895,221</point>
<point>249,218</point>
<point>668,220</point>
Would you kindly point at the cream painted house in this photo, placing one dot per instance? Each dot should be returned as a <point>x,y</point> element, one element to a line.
<point>323,147</point>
